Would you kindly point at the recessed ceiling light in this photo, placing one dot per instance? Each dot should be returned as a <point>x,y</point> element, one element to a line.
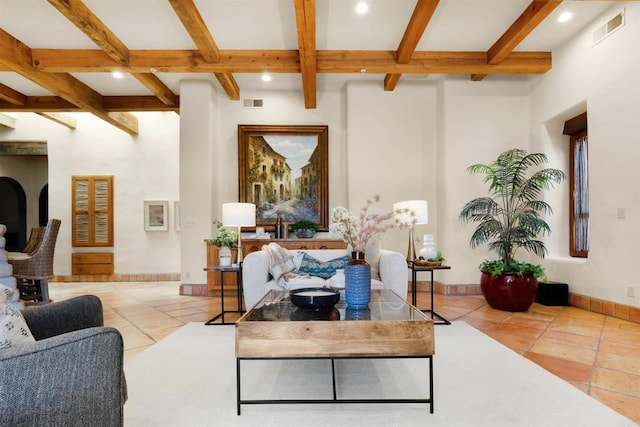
<point>565,16</point>
<point>266,77</point>
<point>117,75</point>
<point>362,7</point>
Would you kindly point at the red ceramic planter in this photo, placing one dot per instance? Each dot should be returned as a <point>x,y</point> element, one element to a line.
<point>509,292</point>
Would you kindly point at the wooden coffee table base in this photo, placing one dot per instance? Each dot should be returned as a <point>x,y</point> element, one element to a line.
<point>275,329</point>
<point>335,398</point>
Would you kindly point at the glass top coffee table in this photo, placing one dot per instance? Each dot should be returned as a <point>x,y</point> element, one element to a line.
<point>277,329</point>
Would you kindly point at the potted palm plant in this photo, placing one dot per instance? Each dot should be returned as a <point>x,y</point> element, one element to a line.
<point>508,219</point>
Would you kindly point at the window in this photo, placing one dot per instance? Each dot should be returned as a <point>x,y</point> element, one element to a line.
<point>92,208</point>
<point>579,186</point>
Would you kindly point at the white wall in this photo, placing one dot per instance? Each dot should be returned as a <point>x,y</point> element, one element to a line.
<point>479,120</point>
<point>391,151</point>
<point>604,80</point>
<point>144,167</point>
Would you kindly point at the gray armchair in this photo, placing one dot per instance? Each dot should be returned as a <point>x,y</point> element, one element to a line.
<point>71,376</point>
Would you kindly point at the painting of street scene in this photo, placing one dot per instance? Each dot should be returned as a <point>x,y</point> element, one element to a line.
<point>285,174</point>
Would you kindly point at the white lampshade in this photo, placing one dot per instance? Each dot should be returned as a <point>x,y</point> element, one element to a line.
<point>419,208</point>
<point>238,214</point>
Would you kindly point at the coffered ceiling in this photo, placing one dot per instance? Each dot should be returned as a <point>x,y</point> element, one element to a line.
<point>58,55</point>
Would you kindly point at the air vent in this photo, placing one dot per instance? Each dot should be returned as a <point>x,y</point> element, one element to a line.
<point>609,28</point>
<point>252,103</point>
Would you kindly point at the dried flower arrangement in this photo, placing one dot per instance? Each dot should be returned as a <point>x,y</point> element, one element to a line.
<point>358,231</point>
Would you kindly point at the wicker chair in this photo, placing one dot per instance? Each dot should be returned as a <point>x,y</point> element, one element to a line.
<point>35,238</point>
<point>34,271</point>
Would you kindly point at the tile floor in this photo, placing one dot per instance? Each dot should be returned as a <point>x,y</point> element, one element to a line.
<point>598,354</point>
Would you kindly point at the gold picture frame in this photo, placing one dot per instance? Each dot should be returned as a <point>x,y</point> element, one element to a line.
<point>285,169</point>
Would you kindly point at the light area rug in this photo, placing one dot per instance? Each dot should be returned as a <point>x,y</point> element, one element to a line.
<point>189,379</point>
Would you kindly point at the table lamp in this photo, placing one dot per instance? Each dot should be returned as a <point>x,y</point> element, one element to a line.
<point>239,215</point>
<point>420,216</point>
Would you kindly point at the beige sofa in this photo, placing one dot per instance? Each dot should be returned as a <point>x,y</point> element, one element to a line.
<point>257,281</point>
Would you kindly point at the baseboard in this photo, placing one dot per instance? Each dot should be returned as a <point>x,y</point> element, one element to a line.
<point>194,289</point>
<point>163,277</point>
<point>620,311</point>
<point>449,290</point>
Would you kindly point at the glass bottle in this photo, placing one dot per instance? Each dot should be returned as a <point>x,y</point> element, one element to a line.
<point>278,231</point>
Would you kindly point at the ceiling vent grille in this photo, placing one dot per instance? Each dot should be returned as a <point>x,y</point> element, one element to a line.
<point>252,103</point>
<point>609,28</point>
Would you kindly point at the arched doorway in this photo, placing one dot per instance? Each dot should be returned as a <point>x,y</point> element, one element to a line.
<point>13,213</point>
<point>43,206</point>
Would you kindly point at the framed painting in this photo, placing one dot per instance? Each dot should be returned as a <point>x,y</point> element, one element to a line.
<point>284,170</point>
<point>156,215</point>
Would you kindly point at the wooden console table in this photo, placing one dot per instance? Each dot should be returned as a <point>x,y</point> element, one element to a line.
<point>253,245</point>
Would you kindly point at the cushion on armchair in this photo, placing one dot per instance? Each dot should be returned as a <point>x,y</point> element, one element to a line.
<point>13,328</point>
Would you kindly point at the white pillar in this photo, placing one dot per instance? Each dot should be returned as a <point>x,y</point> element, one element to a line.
<point>198,137</point>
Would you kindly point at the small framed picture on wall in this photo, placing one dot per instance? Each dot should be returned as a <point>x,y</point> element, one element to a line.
<point>156,215</point>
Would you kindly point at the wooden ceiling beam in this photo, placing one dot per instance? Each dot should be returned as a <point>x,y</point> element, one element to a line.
<point>194,24</point>
<point>306,23</point>
<point>433,63</point>
<point>17,56</point>
<point>12,96</point>
<point>201,36</point>
<point>40,104</point>
<point>52,104</point>
<point>155,85</point>
<point>533,15</point>
<point>87,22</point>
<point>7,121</point>
<point>167,61</point>
<point>420,18</point>
<point>60,118</point>
<point>287,61</point>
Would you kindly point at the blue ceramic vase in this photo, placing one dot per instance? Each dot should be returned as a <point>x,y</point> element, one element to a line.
<point>357,286</point>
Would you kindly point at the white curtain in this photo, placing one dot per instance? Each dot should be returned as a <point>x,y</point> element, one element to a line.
<point>581,196</point>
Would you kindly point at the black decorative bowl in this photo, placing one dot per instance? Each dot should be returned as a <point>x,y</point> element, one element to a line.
<point>314,298</point>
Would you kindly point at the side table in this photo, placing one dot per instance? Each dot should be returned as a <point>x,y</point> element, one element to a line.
<point>237,270</point>
<point>415,268</point>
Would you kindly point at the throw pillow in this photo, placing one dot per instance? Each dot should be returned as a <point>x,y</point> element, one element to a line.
<point>13,328</point>
<point>318,268</point>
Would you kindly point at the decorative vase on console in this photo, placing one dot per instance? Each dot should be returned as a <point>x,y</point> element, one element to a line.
<point>357,282</point>
<point>428,250</point>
